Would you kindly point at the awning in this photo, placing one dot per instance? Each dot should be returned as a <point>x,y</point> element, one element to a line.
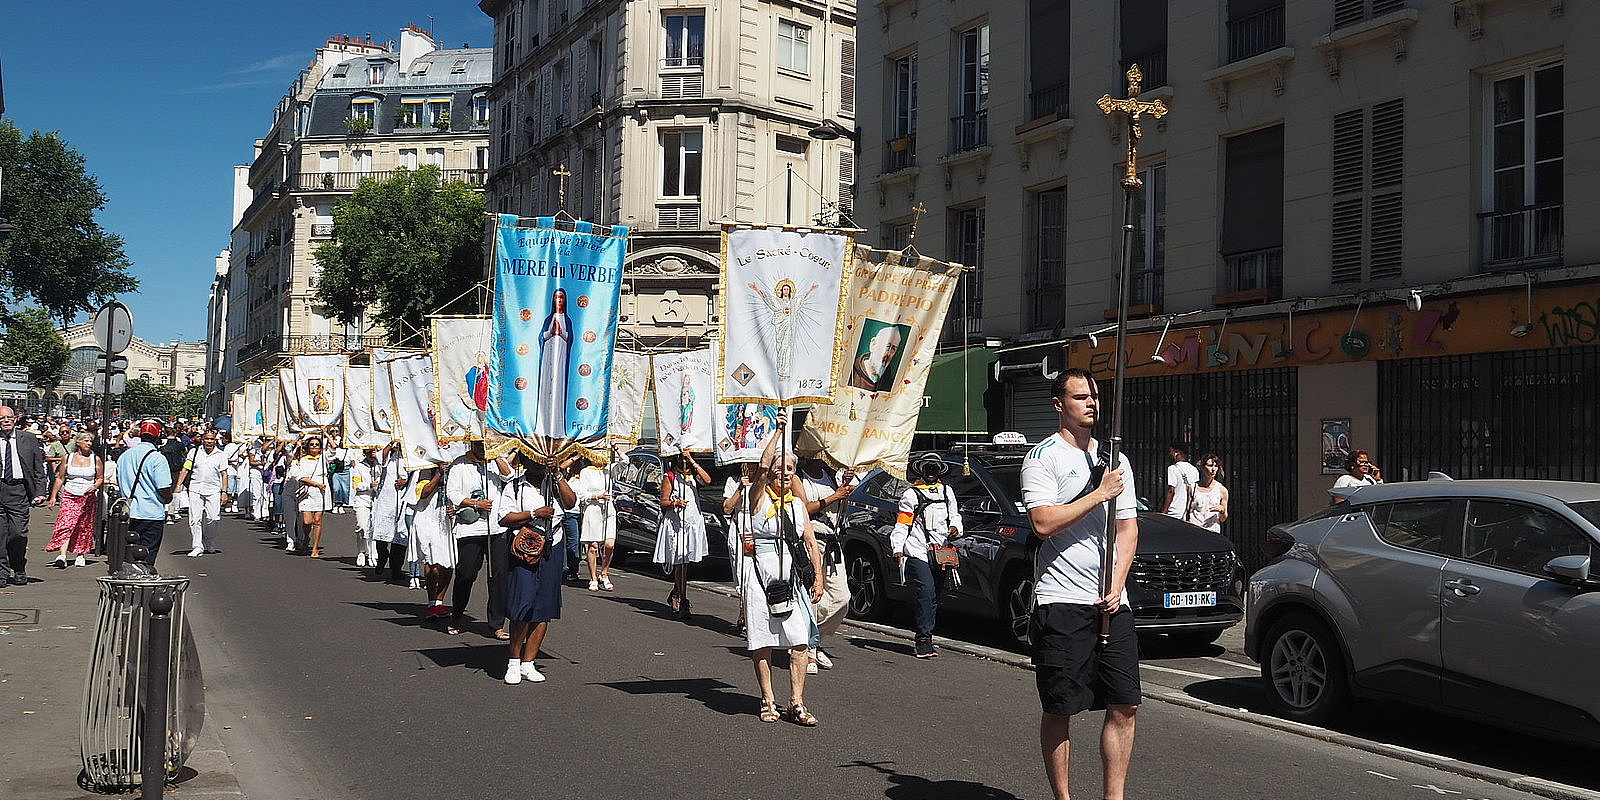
<point>954,377</point>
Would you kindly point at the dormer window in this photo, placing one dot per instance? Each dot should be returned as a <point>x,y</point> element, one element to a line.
<point>375,72</point>
<point>420,67</point>
<point>459,67</point>
<point>341,70</point>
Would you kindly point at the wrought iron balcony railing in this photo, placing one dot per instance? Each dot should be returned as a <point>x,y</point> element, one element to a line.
<point>1530,236</point>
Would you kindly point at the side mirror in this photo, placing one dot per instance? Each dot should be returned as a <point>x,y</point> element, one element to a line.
<point>1568,569</point>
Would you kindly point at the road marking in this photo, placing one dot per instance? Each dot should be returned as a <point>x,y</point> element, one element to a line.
<point>1240,665</point>
<point>1381,775</point>
<point>1182,672</point>
<point>1435,789</point>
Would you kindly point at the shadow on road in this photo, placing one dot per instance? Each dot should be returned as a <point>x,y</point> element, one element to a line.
<point>723,698</point>
<point>707,622</point>
<point>916,787</point>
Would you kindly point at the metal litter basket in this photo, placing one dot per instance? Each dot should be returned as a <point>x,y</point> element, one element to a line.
<point>115,689</point>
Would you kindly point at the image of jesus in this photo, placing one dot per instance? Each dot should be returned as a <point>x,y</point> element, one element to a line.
<point>785,308</point>
<point>872,369</point>
<point>555,352</point>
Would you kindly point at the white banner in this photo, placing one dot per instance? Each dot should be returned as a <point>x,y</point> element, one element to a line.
<point>359,430</point>
<point>411,380</point>
<point>319,389</point>
<point>630,373</point>
<point>382,395</point>
<point>462,373</point>
<point>289,418</point>
<point>247,420</point>
<point>271,408</point>
<point>685,408</point>
<point>779,300</point>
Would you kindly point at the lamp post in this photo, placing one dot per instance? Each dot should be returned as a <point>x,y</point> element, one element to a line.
<point>827,131</point>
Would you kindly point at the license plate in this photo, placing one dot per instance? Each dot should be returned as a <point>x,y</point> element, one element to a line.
<point>1188,599</point>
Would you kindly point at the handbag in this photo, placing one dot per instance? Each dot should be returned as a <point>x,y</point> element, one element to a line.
<point>944,556</point>
<point>302,491</point>
<point>528,545</point>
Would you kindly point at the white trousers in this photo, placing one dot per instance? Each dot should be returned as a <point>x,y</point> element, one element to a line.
<point>260,498</point>
<point>204,511</point>
<point>364,540</point>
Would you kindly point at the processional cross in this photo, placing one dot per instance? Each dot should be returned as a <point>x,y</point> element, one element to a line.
<point>1135,109</point>
<point>562,174</point>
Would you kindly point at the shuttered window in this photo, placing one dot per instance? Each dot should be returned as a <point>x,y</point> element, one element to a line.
<point>847,183</point>
<point>1367,176</point>
<point>1350,12</point>
<point>847,78</point>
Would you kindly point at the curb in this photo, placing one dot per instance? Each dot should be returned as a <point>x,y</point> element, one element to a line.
<point>1509,780</point>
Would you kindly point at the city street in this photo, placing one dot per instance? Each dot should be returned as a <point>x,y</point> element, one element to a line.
<point>322,684</point>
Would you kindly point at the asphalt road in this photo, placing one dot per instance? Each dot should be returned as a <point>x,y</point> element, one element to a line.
<point>324,684</point>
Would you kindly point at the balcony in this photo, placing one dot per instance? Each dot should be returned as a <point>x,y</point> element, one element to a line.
<point>1154,66</point>
<point>1521,238</point>
<point>1049,100</point>
<point>1255,34</point>
<point>1145,288</point>
<point>264,196</point>
<point>1250,277</point>
<point>321,230</point>
<point>900,153</point>
<point>348,181</point>
<point>273,344</point>
<point>969,131</point>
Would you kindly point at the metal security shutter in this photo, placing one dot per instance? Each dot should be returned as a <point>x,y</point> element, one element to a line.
<point>1029,410</point>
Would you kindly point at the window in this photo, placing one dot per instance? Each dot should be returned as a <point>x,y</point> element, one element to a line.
<point>363,160</point>
<point>376,71</point>
<point>1149,238</point>
<point>1049,24</point>
<point>1254,27</point>
<point>435,156</point>
<point>847,78</point>
<point>439,113</point>
<point>794,47</point>
<point>1252,211</point>
<point>1523,226</point>
<point>901,151</point>
<point>420,67</point>
<point>685,41</point>
<point>341,70</point>
<point>480,158</point>
<point>363,109</point>
<point>480,110</point>
<point>680,163</point>
<point>1350,12</point>
<point>597,63</point>
<point>1520,538</point>
<point>1144,39</point>
<point>459,67</point>
<point>966,309</point>
<point>409,115</point>
<point>1423,525</point>
<point>971,124</point>
<point>1047,272</point>
<point>1366,176</point>
<point>509,45</point>
<point>790,145</point>
<point>847,186</point>
<point>896,235</point>
<point>408,157</point>
<point>328,161</point>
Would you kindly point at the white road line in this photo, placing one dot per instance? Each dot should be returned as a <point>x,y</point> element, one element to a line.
<point>1383,776</point>
<point>1183,672</point>
<point>1238,664</point>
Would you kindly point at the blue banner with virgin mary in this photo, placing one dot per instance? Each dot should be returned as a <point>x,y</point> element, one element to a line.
<point>555,328</point>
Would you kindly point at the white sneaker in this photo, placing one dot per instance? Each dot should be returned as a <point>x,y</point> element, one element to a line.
<point>288,546</point>
<point>416,583</point>
<point>821,659</point>
<point>80,561</point>
<point>531,673</point>
<point>514,672</point>
<point>811,667</point>
<point>594,586</point>
<point>197,552</point>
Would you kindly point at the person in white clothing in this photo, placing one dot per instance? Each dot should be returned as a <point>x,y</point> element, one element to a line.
<point>1181,478</point>
<point>205,469</point>
<point>233,483</point>
<point>432,546</point>
<point>597,522</point>
<point>1069,491</point>
<point>364,476</point>
<point>308,481</point>
<point>1210,496</point>
<point>825,494</point>
<point>388,514</point>
<point>928,517</point>
<point>681,539</point>
<point>258,500</point>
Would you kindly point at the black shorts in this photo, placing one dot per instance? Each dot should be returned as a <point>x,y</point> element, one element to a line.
<point>1073,672</point>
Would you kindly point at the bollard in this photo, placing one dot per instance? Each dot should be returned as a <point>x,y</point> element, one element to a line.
<point>117,535</point>
<point>153,758</point>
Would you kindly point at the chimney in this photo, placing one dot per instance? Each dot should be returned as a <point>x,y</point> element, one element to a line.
<point>414,42</point>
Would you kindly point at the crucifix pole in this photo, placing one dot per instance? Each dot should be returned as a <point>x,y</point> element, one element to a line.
<point>1134,109</point>
<point>562,174</point>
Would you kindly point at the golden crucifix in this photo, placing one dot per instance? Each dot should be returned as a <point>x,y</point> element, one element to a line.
<point>1135,109</point>
<point>916,216</point>
<point>562,174</point>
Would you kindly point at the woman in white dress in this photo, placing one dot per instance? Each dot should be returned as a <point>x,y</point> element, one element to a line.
<point>597,523</point>
<point>681,541</point>
<point>309,477</point>
<point>1209,508</point>
<point>388,530</point>
<point>765,560</point>
<point>433,545</point>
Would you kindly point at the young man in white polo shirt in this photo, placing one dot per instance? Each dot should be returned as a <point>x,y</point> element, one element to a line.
<point>206,469</point>
<point>1067,487</point>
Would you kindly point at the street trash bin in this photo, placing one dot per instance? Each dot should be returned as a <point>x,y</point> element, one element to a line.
<point>117,689</point>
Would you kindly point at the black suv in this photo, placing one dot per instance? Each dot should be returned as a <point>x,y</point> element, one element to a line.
<point>637,494</point>
<point>1185,582</point>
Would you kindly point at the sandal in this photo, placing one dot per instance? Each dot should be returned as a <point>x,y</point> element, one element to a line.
<point>800,715</point>
<point>502,635</point>
<point>672,600</point>
<point>453,628</point>
<point>769,711</point>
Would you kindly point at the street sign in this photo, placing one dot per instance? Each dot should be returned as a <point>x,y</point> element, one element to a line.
<point>113,327</point>
<point>13,387</point>
<point>117,362</point>
<point>119,383</point>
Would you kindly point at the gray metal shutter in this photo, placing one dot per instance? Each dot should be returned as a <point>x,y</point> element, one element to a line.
<point>1029,410</point>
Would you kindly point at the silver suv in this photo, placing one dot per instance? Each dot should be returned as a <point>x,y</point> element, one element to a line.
<point>1473,598</point>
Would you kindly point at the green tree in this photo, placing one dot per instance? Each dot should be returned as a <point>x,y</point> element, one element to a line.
<point>144,398</point>
<point>58,256</point>
<point>190,403</point>
<point>404,247</point>
<point>32,341</point>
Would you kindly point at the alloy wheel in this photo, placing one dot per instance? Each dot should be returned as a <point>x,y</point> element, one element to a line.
<point>1299,669</point>
<point>862,577</point>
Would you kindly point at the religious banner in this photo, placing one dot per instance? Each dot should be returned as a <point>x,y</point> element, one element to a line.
<point>247,418</point>
<point>780,297</point>
<point>630,373</point>
<point>555,321</point>
<point>461,350</point>
<point>685,407</point>
<point>891,327</point>
<point>290,421</point>
<point>412,385</point>
<point>743,431</point>
<point>319,389</point>
<point>359,428</point>
<point>382,396</point>
<point>271,408</point>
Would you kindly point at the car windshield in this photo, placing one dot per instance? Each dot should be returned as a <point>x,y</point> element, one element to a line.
<point>1008,477</point>
<point>1589,510</point>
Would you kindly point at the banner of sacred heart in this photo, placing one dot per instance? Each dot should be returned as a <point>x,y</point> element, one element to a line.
<point>555,328</point>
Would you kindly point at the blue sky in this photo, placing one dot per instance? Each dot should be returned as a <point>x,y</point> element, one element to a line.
<point>164,98</point>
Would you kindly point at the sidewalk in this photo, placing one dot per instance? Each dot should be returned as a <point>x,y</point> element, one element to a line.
<point>46,632</point>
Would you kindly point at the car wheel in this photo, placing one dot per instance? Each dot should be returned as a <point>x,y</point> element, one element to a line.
<point>867,600</point>
<point>1019,607</point>
<point>1304,672</point>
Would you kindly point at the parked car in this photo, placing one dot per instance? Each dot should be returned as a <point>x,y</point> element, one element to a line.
<point>1186,582</point>
<point>638,497</point>
<point>1474,598</point>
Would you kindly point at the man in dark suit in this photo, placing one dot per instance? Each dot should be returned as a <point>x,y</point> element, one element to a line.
<point>23,484</point>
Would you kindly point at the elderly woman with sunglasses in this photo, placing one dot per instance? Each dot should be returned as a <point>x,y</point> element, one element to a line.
<point>775,607</point>
<point>309,481</point>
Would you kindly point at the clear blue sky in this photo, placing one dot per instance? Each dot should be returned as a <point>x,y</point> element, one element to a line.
<point>164,98</point>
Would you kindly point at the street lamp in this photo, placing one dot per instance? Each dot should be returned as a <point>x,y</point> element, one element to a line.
<point>828,130</point>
